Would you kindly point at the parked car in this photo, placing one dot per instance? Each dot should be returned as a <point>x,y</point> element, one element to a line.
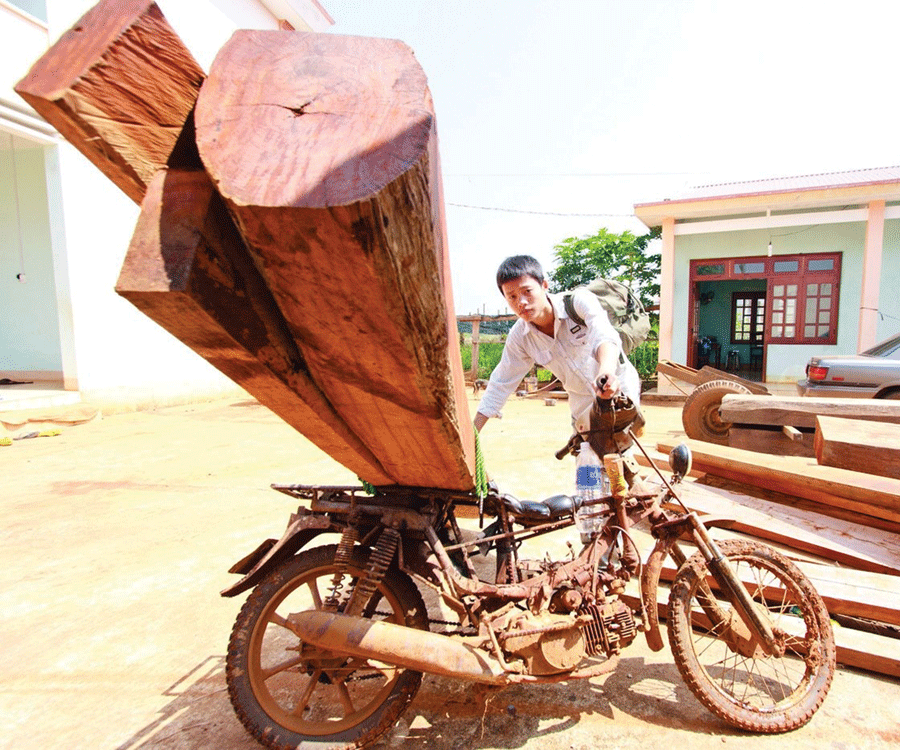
<point>873,374</point>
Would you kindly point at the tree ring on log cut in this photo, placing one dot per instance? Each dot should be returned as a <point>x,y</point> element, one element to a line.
<point>701,417</point>
<point>284,95</point>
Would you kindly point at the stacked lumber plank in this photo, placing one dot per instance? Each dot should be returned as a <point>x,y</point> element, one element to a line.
<point>857,444</point>
<point>786,426</point>
<point>291,228</point>
<point>875,500</point>
<point>841,527</point>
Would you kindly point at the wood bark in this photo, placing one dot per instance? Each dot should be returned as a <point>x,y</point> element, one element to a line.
<point>325,150</point>
<point>858,445</point>
<point>119,86</point>
<point>188,270</point>
<point>874,496</point>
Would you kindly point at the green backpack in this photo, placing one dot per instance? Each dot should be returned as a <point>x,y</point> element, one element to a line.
<point>626,313</point>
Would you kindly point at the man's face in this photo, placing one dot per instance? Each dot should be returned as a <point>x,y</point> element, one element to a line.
<point>527,298</point>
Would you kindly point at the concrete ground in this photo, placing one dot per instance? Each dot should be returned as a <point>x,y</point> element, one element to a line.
<point>117,536</point>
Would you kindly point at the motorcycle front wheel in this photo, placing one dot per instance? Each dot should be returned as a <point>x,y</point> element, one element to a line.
<point>288,694</point>
<point>741,684</point>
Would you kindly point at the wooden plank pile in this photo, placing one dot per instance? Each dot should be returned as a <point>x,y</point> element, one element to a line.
<point>291,228</point>
<point>840,525</point>
<point>784,425</point>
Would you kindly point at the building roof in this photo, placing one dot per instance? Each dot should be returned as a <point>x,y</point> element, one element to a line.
<point>801,192</point>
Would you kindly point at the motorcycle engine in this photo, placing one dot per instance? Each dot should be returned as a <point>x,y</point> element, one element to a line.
<point>547,643</point>
<point>611,629</point>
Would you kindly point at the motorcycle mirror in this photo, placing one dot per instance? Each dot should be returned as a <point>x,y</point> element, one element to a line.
<point>680,460</point>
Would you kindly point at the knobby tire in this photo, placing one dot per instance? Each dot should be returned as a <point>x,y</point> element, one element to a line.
<point>755,692</point>
<point>315,699</point>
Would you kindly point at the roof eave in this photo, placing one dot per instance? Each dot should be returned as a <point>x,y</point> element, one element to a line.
<point>653,214</point>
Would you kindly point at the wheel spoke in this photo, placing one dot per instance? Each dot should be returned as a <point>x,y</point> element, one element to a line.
<point>283,622</point>
<point>278,668</point>
<point>344,695</point>
<point>313,586</point>
<point>303,701</point>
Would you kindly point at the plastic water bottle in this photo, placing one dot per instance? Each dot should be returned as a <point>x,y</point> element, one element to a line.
<point>591,483</point>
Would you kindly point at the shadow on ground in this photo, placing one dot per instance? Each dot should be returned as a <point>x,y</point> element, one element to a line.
<point>455,714</point>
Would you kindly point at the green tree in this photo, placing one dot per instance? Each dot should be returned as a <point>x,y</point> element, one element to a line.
<point>623,257</point>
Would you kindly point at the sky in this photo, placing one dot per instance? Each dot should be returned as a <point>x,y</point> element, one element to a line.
<point>555,117</point>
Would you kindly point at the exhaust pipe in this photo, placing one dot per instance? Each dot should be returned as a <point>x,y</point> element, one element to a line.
<point>398,645</point>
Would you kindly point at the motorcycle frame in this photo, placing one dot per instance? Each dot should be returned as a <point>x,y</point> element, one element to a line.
<point>420,511</point>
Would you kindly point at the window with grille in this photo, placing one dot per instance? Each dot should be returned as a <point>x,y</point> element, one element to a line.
<point>748,317</point>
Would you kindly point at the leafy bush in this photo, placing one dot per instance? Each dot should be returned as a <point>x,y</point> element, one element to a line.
<point>645,358</point>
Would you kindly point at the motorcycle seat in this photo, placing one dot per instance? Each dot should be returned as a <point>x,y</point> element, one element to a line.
<point>540,511</point>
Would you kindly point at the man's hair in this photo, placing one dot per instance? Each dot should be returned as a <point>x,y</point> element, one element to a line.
<point>519,265</point>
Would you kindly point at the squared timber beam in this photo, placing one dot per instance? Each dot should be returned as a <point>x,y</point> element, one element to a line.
<point>187,269</point>
<point>119,86</point>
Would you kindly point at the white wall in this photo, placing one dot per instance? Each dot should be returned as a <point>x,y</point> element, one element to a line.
<point>784,362</point>
<point>889,299</point>
<point>29,334</point>
<point>22,40</point>
<point>120,356</point>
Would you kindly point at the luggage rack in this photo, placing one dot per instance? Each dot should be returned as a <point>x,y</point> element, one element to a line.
<point>393,495</point>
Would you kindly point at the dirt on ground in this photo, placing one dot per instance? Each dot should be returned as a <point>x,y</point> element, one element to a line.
<point>117,538</point>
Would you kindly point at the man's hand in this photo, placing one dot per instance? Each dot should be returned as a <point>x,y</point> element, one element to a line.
<point>606,385</point>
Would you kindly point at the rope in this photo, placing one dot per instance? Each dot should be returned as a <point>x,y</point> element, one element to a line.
<point>481,481</point>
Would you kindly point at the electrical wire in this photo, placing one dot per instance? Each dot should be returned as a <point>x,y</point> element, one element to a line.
<point>537,213</point>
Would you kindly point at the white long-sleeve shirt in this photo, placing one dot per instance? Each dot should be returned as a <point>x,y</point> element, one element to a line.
<point>570,354</point>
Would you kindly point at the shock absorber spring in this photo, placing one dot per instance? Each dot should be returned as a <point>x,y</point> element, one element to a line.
<point>342,562</point>
<point>379,560</point>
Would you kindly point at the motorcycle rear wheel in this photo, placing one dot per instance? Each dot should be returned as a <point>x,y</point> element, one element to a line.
<point>290,695</point>
<point>755,692</point>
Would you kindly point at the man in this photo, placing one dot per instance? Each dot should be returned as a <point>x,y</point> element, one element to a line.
<point>588,359</point>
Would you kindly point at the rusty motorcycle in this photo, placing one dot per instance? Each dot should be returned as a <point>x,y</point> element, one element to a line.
<point>330,647</point>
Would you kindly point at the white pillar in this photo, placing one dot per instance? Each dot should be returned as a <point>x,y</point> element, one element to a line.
<point>667,301</point>
<point>871,277</point>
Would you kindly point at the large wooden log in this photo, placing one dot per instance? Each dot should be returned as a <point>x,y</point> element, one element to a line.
<point>874,496</point>
<point>772,440</point>
<point>119,86</point>
<point>858,445</point>
<point>325,150</point>
<point>188,270</point>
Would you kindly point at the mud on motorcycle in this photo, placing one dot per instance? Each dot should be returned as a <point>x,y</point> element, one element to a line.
<point>330,647</point>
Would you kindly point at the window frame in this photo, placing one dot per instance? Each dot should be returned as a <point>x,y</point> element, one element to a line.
<point>807,280</point>
<point>757,327</point>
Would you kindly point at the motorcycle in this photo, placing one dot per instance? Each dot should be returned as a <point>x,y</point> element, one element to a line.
<point>330,647</point>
